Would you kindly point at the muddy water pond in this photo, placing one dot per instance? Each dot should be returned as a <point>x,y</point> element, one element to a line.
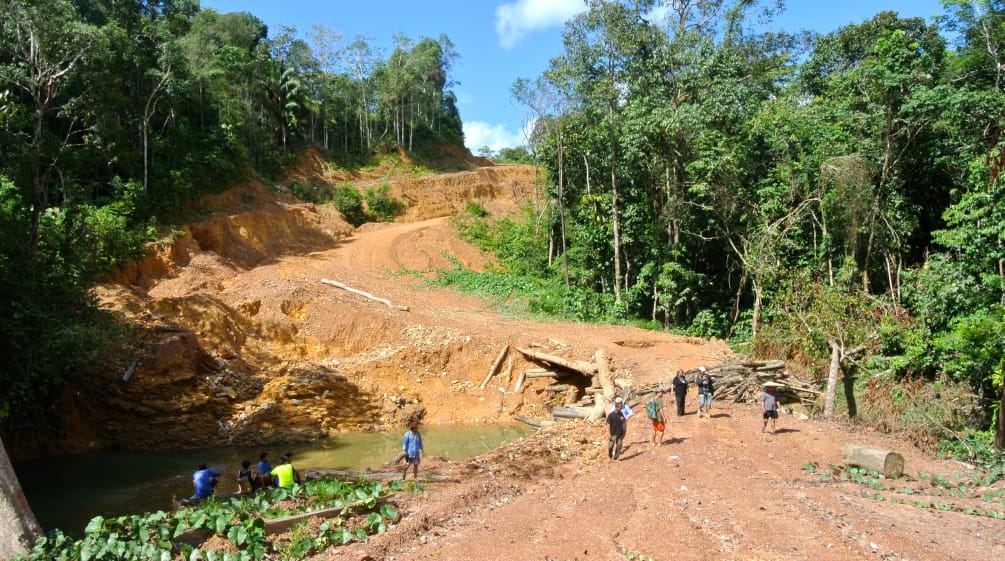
<point>67,492</point>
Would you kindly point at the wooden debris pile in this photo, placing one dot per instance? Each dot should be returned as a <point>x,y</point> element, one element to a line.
<point>587,387</point>
<point>743,382</point>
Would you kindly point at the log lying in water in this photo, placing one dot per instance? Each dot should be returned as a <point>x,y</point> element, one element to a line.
<point>890,464</point>
<point>356,474</point>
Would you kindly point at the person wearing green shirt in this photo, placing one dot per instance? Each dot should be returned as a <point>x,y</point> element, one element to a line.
<point>285,473</point>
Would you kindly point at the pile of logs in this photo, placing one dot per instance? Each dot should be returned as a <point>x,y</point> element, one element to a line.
<point>743,382</point>
<point>588,388</point>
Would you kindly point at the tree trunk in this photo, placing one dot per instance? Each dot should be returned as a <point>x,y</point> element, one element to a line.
<point>890,464</point>
<point>830,395</point>
<point>1000,429</point>
<point>18,527</point>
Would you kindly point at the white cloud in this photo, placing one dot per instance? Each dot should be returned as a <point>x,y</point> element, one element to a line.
<point>521,17</point>
<point>478,134</point>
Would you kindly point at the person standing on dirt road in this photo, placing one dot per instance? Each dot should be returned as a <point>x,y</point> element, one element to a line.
<point>769,405</point>
<point>657,414</point>
<point>626,412</point>
<point>616,426</point>
<point>411,445</point>
<point>680,391</point>
<point>704,383</point>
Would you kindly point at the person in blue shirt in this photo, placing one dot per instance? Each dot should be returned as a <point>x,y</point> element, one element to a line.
<point>411,445</point>
<point>204,480</point>
<point>265,471</point>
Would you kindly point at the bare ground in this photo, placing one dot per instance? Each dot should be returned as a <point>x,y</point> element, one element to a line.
<point>242,343</point>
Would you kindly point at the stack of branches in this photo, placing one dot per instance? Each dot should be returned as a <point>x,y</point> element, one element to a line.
<point>743,382</point>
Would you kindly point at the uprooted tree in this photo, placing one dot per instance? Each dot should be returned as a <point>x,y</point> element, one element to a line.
<point>833,323</point>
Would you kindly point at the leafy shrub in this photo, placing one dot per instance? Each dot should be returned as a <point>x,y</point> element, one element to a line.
<point>381,206</point>
<point>349,202</point>
<point>241,521</point>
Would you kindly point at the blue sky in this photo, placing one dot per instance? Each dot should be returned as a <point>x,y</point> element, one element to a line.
<point>500,41</point>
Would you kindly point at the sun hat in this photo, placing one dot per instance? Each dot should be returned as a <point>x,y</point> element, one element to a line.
<point>702,369</point>
<point>618,400</point>
<point>771,385</point>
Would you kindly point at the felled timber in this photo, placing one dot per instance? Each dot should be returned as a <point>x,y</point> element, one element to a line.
<point>495,366</point>
<point>532,422</point>
<point>890,464</point>
<point>558,387</point>
<point>356,474</point>
<point>366,295</point>
<point>587,369</point>
<point>571,412</point>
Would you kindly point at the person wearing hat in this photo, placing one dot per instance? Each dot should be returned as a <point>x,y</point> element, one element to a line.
<point>656,413</point>
<point>616,425</point>
<point>704,383</point>
<point>680,391</point>
<point>411,445</point>
<point>769,405</point>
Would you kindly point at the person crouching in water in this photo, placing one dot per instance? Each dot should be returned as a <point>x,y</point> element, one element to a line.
<point>411,445</point>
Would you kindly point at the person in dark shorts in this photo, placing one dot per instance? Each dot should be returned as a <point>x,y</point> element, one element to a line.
<point>680,391</point>
<point>616,426</point>
<point>411,445</point>
<point>769,406</point>
<point>705,390</point>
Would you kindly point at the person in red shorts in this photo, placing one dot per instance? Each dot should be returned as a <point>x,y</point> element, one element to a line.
<point>657,414</point>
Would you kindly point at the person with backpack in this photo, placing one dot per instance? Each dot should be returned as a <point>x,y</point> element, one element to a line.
<point>656,413</point>
<point>680,391</point>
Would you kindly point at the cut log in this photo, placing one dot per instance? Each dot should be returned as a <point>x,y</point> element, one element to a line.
<point>531,422</point>
<point>606,383</point>
<point>495,367</point>
<point>366,295</point>
<point>890,464</point>
<point>558,387</point>
<point>571,412</point>
<point>585,368</point>
<point>356,474</point>
<point>129,371</point>
<point>519,381</point>
<point>546,374</point>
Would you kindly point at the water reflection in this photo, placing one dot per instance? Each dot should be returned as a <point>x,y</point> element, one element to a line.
<point>66,493</point>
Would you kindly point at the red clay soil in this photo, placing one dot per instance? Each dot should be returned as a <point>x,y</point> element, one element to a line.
<point>245,344</point>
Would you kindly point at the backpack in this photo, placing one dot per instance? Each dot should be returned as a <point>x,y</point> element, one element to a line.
<point>651,411</point>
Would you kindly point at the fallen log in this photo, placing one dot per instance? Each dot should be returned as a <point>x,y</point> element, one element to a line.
<point>571,412</point>
<point>366,295</point>
<point>587,369</point>
<point>495,367</point>
<point>890,464</point>
<point>532,422</point>
<point>356,474</point>
<point>558,387</point>
<point>546,374</point>
<point>519,381</point>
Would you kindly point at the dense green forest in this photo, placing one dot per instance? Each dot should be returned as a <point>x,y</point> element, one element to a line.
<point>115,113</point>
<point>833,200</point>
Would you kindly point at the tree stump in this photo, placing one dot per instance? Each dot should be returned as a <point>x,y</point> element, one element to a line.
<point>890,464</point>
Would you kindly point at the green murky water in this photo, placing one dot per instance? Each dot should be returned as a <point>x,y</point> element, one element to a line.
<point>66,493</point>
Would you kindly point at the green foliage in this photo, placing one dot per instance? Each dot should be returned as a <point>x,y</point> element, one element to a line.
<point>380,206</point>
<point>241,521</point>
<point>349,202</point>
